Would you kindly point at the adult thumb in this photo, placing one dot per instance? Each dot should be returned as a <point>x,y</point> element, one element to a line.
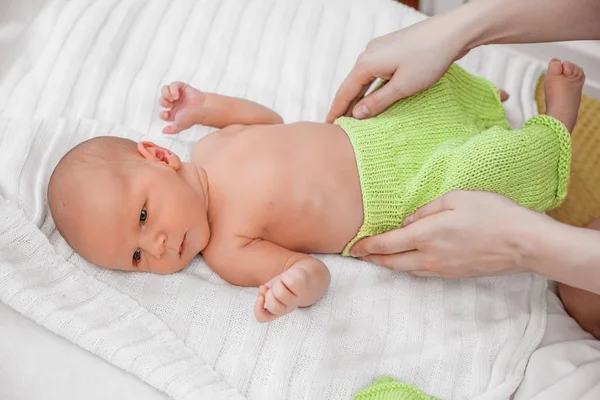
<point>379,100</point>
<point>436,206</point>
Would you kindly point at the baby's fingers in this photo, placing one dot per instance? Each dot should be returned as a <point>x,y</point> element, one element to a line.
<point>165,103</point>
<point>166,93</point>
<point>166,116</point>
<point>172,129</point>
<point>282,293</point>
<point>260,312</point>
<point>175,88</point>
<point>273,305</point>
<point>263,289</point>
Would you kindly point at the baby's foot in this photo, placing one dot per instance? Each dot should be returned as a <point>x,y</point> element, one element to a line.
<point>582,306</point>
<point>563,85</point>
<point>184,104</point>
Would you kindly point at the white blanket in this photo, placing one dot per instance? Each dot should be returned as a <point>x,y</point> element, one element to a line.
<point>190,334</point>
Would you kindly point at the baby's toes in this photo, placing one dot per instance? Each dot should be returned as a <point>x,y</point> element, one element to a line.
<point>573,72</point>
<point>568,69</point>
<point>555,67</point>
<point>579,73</point>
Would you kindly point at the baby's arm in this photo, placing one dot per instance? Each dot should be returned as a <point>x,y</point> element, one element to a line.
<point>187,106</point>
<point>286,279</point>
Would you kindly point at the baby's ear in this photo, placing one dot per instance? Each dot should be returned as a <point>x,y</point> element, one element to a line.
<point>154,152</point>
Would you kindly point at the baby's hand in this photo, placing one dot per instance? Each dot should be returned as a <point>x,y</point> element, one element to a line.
<point>281,295</point>
<point>184,104</point>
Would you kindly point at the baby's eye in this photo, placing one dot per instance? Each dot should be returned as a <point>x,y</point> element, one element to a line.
<point>143,215</point>
<point>137,255</point>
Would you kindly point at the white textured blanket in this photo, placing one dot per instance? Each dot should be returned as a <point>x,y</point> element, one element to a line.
<point>192,335</point>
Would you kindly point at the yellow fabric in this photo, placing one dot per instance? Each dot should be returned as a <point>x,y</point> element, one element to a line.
<point>582,204</point>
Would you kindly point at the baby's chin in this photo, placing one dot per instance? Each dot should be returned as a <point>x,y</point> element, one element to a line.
<point>169,271</point>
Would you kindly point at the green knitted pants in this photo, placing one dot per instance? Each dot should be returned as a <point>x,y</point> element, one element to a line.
<point>454,136</point>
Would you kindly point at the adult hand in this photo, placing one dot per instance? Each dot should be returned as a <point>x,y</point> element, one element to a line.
<point>459,235</point>
<point>411,59</point>
<point>414,58</point>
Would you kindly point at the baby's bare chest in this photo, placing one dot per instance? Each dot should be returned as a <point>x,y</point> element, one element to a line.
<point>281,187</point>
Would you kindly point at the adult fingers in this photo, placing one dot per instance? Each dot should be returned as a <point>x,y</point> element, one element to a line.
<point>350,88</point>
<point>391,242</point>
<point>409,261</point>
<point>358,97</point>
<point>378,101</point>
<point>436,206</point>
<point>406,238</point>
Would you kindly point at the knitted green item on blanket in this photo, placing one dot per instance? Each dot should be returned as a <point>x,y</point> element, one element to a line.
<point>388,388</point>
<point>454,136</point>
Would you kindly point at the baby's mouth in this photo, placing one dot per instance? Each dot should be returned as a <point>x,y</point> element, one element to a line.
<point>183,245</point>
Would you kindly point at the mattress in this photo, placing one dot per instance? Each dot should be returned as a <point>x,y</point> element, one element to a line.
<point>105,60</point>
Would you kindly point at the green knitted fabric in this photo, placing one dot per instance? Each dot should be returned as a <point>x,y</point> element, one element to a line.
<point>388,388</point>
<point>454,136</point>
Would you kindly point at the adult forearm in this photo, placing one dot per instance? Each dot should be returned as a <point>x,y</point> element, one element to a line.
<point>525,21</point>
<point>564,253</point>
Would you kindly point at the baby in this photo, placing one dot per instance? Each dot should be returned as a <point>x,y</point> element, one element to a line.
<point>259,196</point>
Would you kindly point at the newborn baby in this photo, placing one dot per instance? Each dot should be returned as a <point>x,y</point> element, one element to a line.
<point>259,196</point>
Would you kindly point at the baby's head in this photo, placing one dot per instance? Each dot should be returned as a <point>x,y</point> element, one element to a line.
<point>130,206</point>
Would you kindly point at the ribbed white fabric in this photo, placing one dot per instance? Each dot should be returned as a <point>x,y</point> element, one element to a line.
<point>192,335</point>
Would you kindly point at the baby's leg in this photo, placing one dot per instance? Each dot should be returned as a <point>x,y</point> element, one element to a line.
<point>583,306</point>
<point>563,85</point>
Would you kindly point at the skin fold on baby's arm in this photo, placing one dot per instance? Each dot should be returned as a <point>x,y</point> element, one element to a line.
<point>286,279</point>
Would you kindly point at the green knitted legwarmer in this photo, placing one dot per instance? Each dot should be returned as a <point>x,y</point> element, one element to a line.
<point>388,388</point>
<point>454,136</point>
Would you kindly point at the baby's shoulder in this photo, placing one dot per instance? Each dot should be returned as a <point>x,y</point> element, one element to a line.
<point>217,142</point>
<point>225,255</point>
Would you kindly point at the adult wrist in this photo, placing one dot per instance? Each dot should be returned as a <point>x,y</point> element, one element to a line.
<point>475,23</point>
<point>533,240</point>
<point>562,252</point>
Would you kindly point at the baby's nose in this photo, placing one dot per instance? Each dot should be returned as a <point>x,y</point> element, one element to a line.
<point>157,245</point>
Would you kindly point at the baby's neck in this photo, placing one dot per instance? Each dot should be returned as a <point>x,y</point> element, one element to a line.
<point>203,177</point>
<point>197,178</point>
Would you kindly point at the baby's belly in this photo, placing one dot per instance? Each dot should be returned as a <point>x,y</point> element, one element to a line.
<point>323,207</point>
<point>308,184</point>
<point>315,236</point>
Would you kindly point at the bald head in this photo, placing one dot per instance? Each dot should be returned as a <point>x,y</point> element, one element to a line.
<point>92,172</point>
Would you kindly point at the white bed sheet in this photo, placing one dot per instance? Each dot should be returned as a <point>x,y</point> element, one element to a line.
<point>38,364</point>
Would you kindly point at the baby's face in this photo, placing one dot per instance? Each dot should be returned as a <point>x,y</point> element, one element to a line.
<point>151,219</point>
